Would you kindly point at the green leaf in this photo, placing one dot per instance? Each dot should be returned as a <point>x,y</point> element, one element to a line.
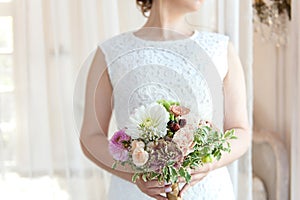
<point>229,133</point>
<point>233,137</point>
<point>170,163</point>
<point>173,171</point>
<point>144,177</point>
<point>181,172</point>
<point>153,175</point>
<point>166,105</point>
<point>187,177</point>
<point>228,145</point>
<point>114,165</point>
<point>134,177</point>
<point>160,177</point>
<point>174,174</point>
<point>172,117</point>
<point>165,171</point>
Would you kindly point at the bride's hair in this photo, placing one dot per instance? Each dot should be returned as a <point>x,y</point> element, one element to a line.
<point>145,5</point>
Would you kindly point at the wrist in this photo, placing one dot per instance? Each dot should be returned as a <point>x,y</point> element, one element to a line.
<point>210,166</point>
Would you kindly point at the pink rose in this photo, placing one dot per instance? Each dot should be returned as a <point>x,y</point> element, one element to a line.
<point>184,138</point>
<point>140,157</point>
<point>179,110</point>
<point>137,144</point>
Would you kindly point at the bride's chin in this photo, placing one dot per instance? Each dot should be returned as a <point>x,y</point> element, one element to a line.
<point>196,5</point>
<point>186,6</point>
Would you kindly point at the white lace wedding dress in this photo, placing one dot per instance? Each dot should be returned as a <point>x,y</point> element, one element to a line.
<point>190,71</point>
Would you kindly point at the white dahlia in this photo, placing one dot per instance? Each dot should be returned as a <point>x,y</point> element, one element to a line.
<point>148,122</point>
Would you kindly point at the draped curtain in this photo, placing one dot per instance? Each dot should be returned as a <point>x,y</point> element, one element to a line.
<point>53,38</point>
<point>294,70</point>
<point>236,21</point>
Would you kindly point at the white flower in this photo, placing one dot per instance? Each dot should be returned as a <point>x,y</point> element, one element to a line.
<point>150,121</point>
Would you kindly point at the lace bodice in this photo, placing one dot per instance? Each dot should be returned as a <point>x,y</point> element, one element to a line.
<point>185,70</point>
<point>190,71</point>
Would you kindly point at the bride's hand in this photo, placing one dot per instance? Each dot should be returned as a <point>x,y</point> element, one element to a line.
<point>153,188</point>
<point>197,176</point>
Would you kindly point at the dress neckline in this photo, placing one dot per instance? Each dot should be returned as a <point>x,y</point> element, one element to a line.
<point>191,37</point>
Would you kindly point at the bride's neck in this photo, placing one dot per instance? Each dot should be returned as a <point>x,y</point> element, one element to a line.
<point>165,18</point>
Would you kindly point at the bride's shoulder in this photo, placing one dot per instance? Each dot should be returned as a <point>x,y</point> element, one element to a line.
<point>115,45</point>
<point>208,36</point>
<point>213,43</point>
<point>115,40</point>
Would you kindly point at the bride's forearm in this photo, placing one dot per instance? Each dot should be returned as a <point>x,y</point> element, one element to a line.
<point>96,149</point>
<point>239,147</point>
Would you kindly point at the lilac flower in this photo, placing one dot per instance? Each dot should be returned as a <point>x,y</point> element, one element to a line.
<point>118,145</point>
<point>162,152</point>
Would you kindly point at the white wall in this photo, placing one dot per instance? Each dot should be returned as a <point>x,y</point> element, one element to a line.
<point>275,86</point>
<point>272,91</point>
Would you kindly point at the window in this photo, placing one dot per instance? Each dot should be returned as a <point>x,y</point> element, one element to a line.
<point>7,86</point>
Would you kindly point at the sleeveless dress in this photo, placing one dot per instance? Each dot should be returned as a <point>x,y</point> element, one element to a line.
<point>189,70</point>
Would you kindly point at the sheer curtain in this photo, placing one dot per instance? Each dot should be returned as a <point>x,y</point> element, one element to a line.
<point>294,58</point>
<point>52,38</point>
<point>236,20</point>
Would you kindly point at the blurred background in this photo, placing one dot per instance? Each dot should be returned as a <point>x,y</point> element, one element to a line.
<point>43,45</point>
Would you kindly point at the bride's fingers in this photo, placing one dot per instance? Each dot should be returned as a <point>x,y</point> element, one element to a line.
<point>206,168</point>
<point>198,176</point>
<point>184,188</point>
<point>156,193</point>
<point>181,180</point>
<point>158,190</point>
<point>187,186</point>
<point>151,184</point>
<point>153,188</point>
<point>147,184</point>
<point>159,197</point>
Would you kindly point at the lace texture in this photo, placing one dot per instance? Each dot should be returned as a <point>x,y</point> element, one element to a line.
<point>190,71</point>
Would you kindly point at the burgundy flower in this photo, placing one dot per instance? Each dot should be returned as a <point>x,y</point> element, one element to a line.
<point>173,126</point>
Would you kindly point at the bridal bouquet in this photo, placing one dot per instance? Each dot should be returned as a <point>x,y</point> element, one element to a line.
<point>161,143</point>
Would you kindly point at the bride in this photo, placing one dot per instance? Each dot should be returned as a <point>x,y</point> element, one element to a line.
<point>166,59</point>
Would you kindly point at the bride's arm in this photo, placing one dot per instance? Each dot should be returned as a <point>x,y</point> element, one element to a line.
<point>97,114</point>
<point>235,117</point>
<point>235,112</point>
<point>94,131</point>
